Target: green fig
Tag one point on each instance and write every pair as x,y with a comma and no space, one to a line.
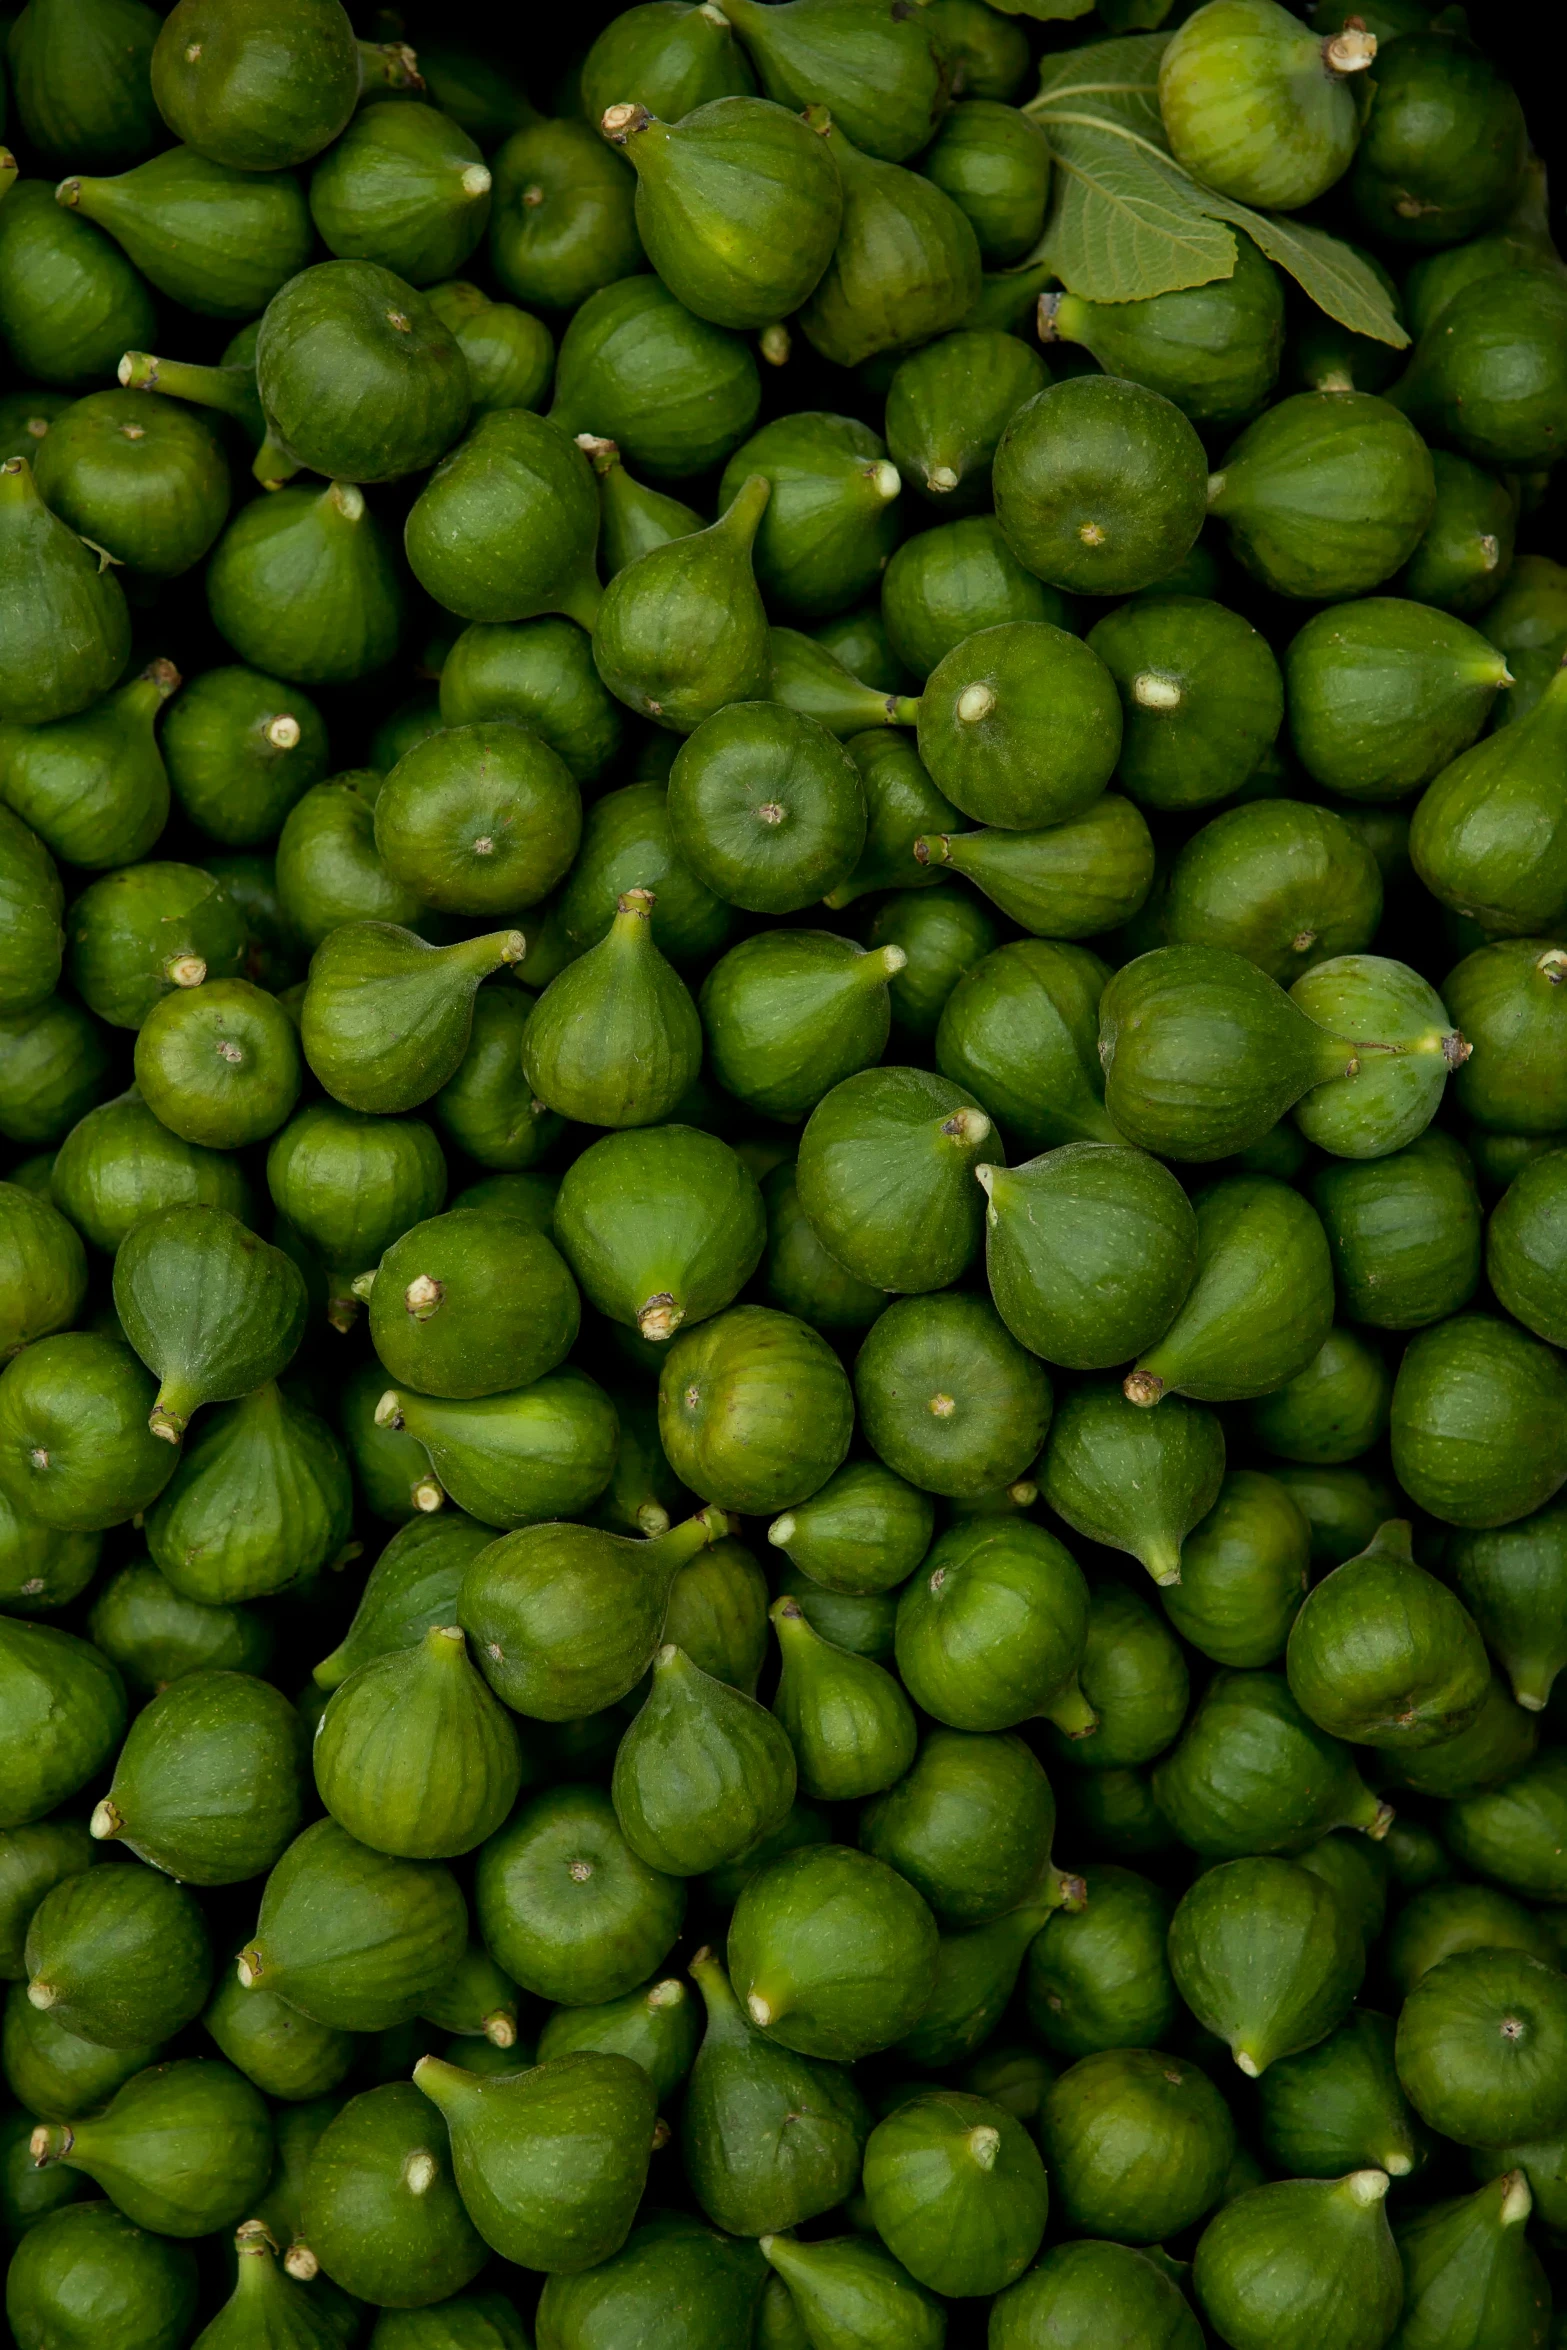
219,1065
77,1450
75,96
844,2291
506,525
88,2279
1138,2144
142,932
738,204
412,1590
808,677
976,1973
851,1728
1486,374
663,1227
1088,1250
884,1169
1404,1232
799,1276
1383,1654
405,187
673,2275
183,2148
414,1756
881,77
33,1860
1101,485
754,1410
1212,349
119,1956
673,393
1504,1453
328,870
1071,880
1512,1832
1509,1580
550,2162
1469,2262
487,1107
353,1184
265,2296
55,1068
1134,1680
1443,1918
1134,1483
212,1310
380,2211
1384,694
565,1619
540,674
1468,833
969,1826
240,753
865,1530
481,820
789,1013
347,339
1265,1956
1201,696
43,1270
957,2192
260,1500
1467,551
513,1459
567,1907
1019,1029
702,1773
303,585
352,1937
769,2138
681,631
832,1954
615,1040
218,241
991,1631
71,303
766,808
952,582
656,2026
141,478
1252,1773
562,224
1497,1745
508,352
1333,1410
42,1568
980,733
906,266
273,2045
1081,2286
1326,495
1243,1573
387,1018
994,162
155,1635
65,1716
32,900
665,55
1203,1053
94,787
831,522
632,518
1339,2106
901,806
1303,2262
627,844
55,2071
1284,883
1478,2047
1505,1001
1096,1976
210,1784
947,1398
471,1304
1259,1306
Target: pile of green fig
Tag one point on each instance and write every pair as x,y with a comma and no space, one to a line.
783,1178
